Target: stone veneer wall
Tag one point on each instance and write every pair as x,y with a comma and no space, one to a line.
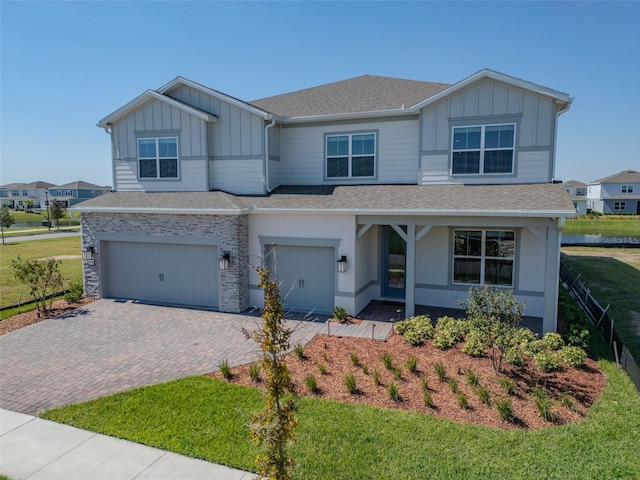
230,233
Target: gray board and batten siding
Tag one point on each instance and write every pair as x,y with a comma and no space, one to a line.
489,102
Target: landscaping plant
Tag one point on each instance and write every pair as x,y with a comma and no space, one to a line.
42,278
340,314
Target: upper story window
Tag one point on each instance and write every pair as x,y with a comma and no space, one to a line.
68,193
483,257
627,188
158,157
351,155
15,193
25,193
483,149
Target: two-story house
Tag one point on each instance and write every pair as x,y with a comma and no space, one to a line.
75,192
616,194
17,194
578,192
371,188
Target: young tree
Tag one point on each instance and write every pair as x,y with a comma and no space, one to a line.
28,205
273,428
56,212
497,315
6,220
42,277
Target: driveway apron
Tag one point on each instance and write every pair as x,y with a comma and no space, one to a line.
110,346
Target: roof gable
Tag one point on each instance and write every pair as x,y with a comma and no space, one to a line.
626,176
148,96
80,185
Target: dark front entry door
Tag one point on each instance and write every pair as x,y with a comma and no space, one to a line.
393,263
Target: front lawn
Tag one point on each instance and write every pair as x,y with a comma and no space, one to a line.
608,225
68,248
208,419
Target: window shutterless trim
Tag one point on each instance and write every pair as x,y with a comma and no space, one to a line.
350,156
483,149
483,257
158,158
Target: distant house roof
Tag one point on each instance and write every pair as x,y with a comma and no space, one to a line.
366,93
575,183
626,176
36,184
535,200
80,185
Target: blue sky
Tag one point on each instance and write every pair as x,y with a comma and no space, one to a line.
66,65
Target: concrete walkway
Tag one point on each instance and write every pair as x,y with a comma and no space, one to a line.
33,448
43,236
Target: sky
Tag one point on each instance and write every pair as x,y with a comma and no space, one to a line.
66,65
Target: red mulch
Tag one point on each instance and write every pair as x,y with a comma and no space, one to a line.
584,385
34,316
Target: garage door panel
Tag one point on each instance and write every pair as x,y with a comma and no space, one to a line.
165,273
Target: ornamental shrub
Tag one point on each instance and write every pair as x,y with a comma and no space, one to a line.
340,314
546,361
533,348
505,410
553,341
415,329
514,357
475,344
74,293
572,356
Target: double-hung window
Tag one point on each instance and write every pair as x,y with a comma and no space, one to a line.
627,188
158,157
351,155
483,149
483,257
619,205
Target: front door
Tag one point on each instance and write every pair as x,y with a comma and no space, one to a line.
393,263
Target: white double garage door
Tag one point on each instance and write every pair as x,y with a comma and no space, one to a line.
178,274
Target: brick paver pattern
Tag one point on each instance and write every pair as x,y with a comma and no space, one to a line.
110,346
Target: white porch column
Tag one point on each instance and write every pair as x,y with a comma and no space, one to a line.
410,272
552,277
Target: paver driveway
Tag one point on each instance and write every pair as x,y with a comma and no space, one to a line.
109,346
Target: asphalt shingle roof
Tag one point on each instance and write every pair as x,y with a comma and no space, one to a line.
431,199
360,94
626,176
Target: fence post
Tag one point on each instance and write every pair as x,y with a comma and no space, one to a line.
611,334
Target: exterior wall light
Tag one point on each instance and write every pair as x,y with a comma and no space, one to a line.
224,261
342,264
87,255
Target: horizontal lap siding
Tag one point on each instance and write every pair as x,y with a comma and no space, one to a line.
243,177
193,178
302,151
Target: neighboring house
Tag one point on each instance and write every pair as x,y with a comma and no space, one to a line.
75,192
578,192
18,193
371,188
615,194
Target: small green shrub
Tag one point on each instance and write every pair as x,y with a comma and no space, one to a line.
568,402
74,293
514,357
523,336
543,404
553,341
484,395
376,377
546,361
441,371
322,368
533,348
311,383
355,361
453,385
578,336
350,383
387,360
573,356
463,401
504,408
340,314
325,356
448,332
424,384
365,369
397,373
473,380
412,364
254,372
507,385
427,399
415,329
299,351
475,344
225,370
394,392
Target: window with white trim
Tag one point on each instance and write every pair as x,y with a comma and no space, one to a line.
483,149
351,155
68,193
619,205
483,257
627,188
158,157
25,193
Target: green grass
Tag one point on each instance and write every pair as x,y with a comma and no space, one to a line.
71,269
20,216
608,225
208,419
616,283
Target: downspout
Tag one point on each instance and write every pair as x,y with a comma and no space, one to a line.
555,135
266,155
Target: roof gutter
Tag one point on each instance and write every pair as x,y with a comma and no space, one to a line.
349,116
160,211
413,212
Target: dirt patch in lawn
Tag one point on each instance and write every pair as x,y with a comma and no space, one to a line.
59,307
582,385
61,257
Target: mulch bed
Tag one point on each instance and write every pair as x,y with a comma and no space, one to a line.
583,385
58,307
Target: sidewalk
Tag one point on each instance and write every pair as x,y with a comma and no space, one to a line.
33,448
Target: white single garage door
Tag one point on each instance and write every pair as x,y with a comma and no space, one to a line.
307,275
163,273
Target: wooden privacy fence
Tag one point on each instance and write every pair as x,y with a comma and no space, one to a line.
600,319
